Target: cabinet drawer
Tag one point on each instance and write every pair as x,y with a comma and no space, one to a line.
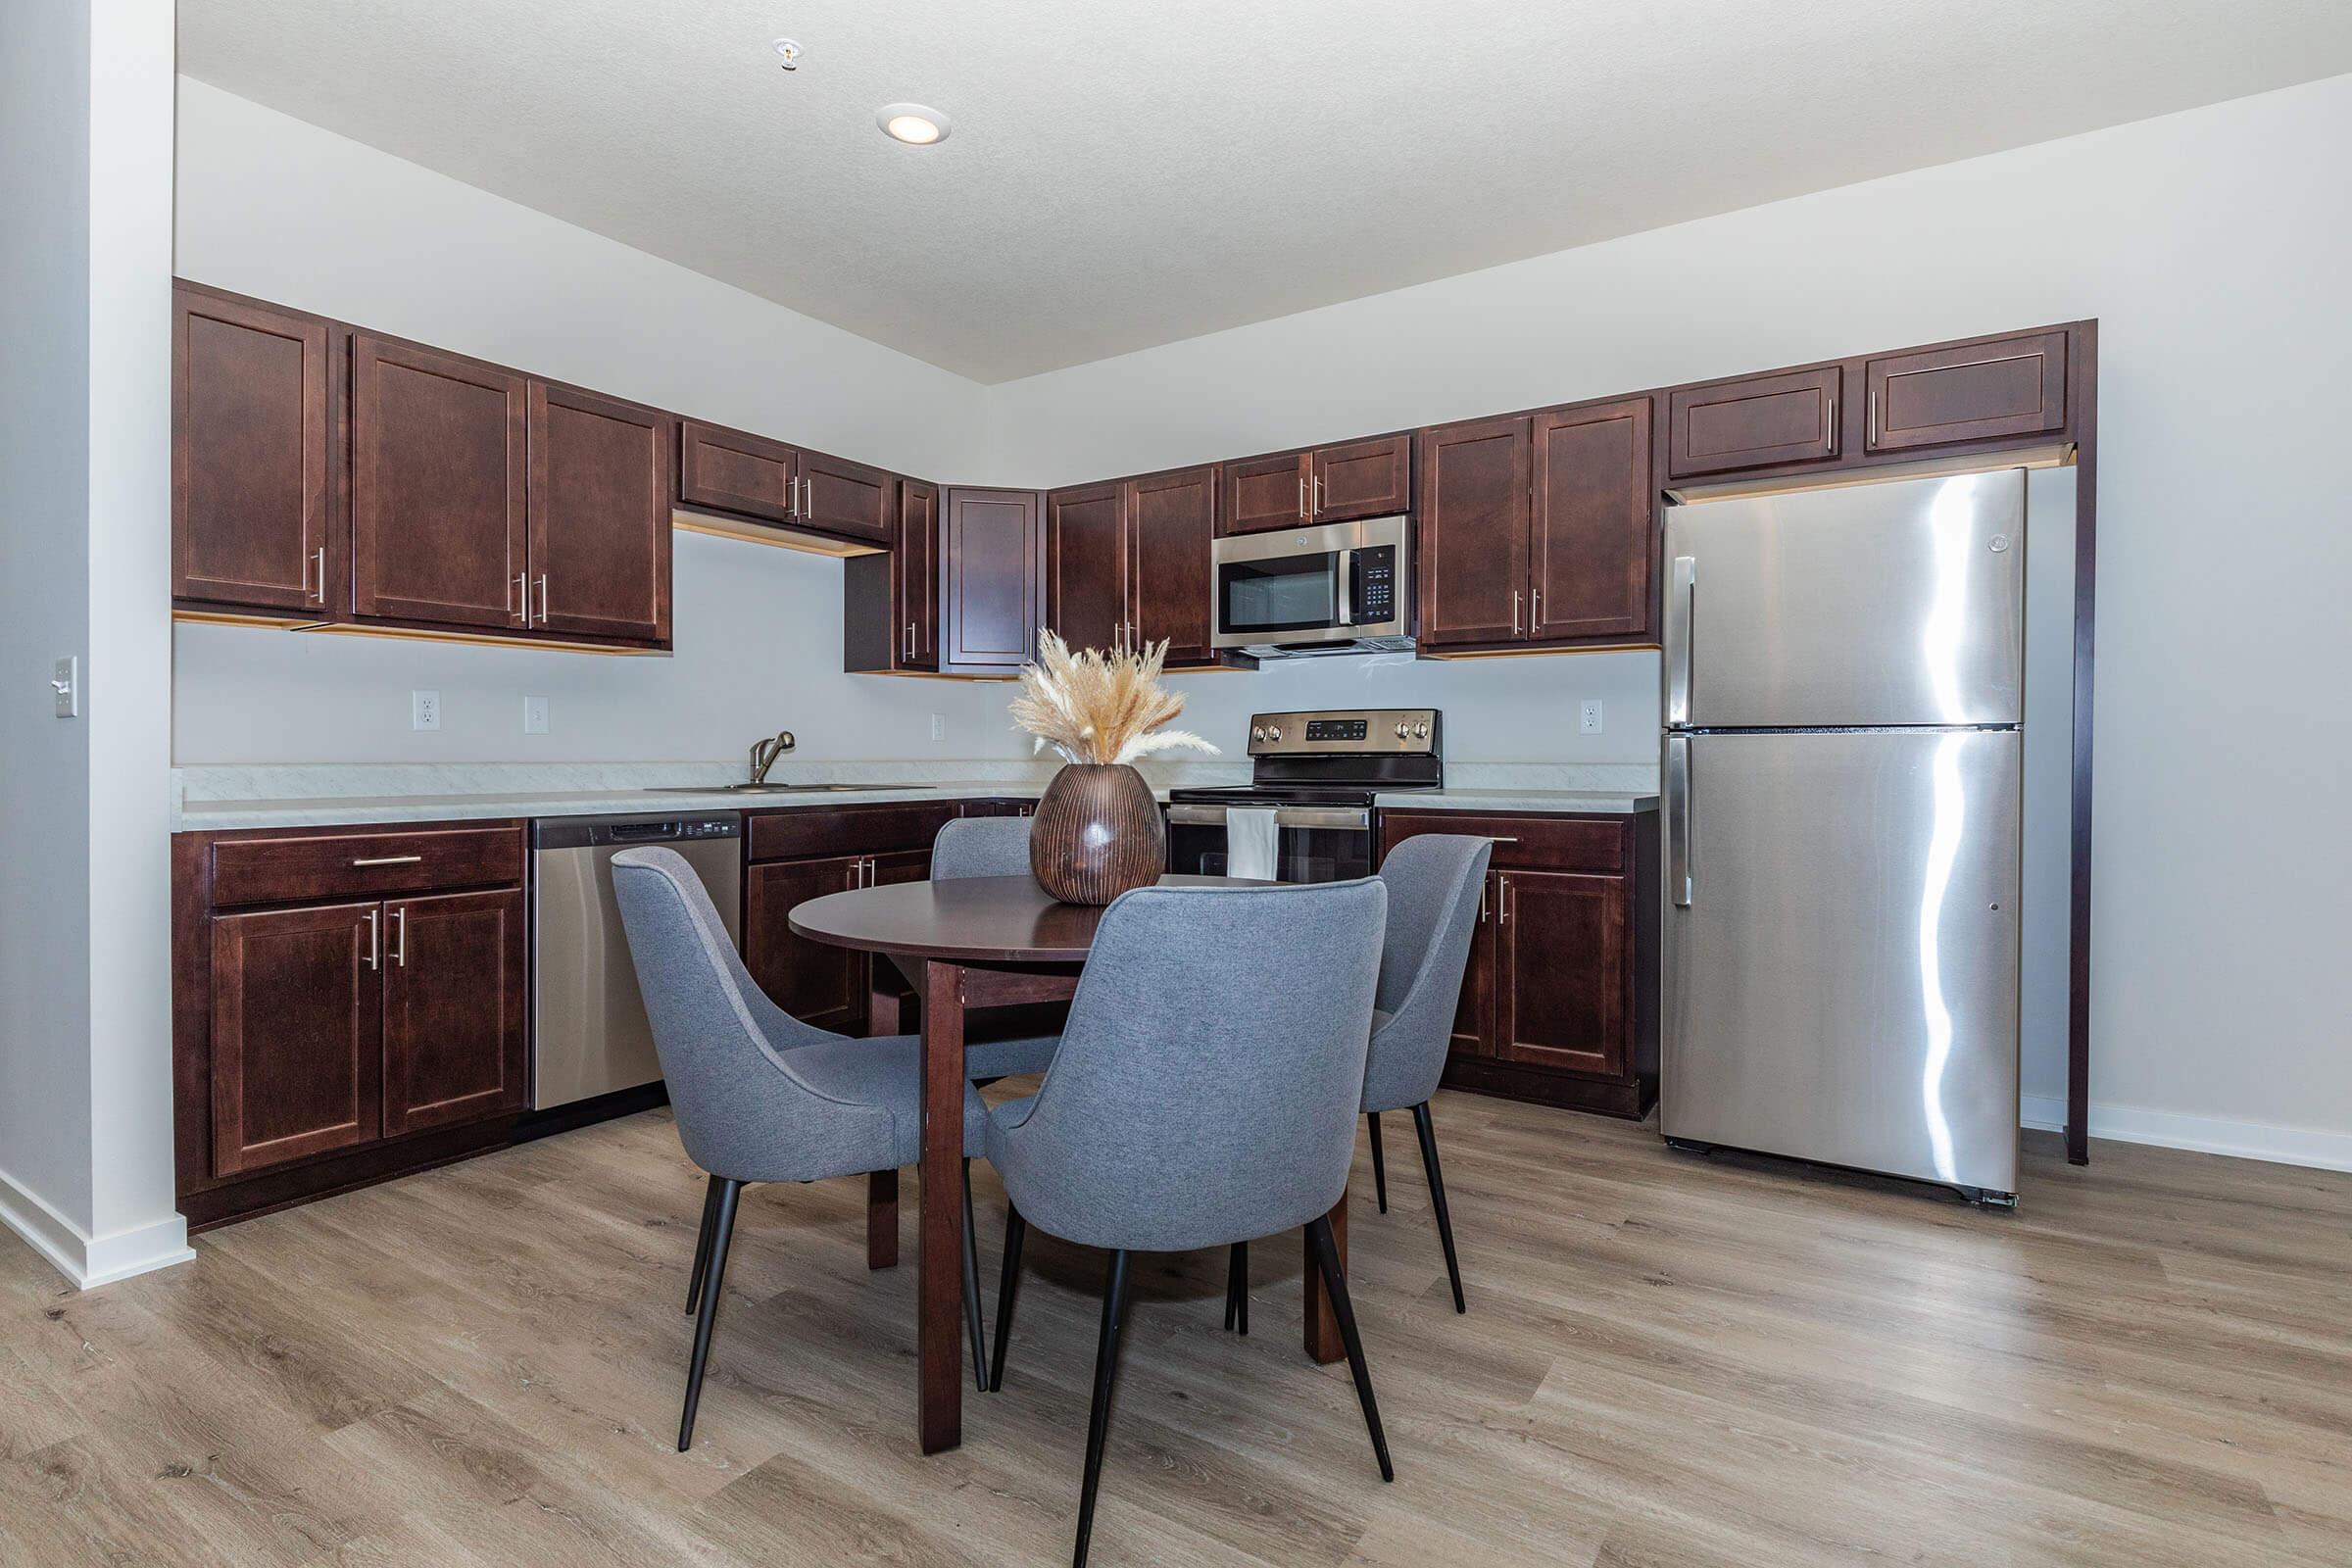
1753,423
2016,386
283,869
847,830
1542,843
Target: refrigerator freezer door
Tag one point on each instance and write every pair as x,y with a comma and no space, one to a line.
1841,984
1877,604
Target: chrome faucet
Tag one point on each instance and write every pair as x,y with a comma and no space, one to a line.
766,753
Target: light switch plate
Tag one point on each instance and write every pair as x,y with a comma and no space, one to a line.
424,709
534,715
1587,718
67,684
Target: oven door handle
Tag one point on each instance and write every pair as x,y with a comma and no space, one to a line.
1184,814
1181,814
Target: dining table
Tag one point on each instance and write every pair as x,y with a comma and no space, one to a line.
977,943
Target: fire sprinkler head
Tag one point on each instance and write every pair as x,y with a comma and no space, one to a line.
790,49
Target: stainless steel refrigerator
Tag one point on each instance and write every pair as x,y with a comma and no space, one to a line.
1844,679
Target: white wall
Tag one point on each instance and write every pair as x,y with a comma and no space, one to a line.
85,1045
2211,245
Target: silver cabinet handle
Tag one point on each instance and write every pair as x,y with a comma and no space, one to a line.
1318,495
1514,612
1830,435
389,859
1303,514
400,935
374,959
911,639
543,599
808,503
1681,620
1678,820
1481,898
1535,610
320,554
1502,901
522,586
1490,839
792,496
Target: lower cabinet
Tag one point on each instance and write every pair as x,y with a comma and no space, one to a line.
339,993
1558,998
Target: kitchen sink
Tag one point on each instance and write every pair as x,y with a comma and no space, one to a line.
778,789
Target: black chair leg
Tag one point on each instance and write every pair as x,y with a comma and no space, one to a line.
1236,1288
701,1246
1106,1367
1380,1164
1016,1230
1437,1199
971,1287
1335,1283
722,1231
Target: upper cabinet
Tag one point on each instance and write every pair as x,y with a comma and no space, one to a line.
914,577
1977,391
599,506
1370,478
1761,421
1127,563
249,454
1540,529
992,580
849,499
751,476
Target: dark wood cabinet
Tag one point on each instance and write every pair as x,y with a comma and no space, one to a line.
454,1041
993,586
915,576
849,499
1756,422
817,984
438,512
1474,533
735,471
2005,387
1558,996
1087,601
1171,522
598,490
1361,479
1269,492
1593,539
249,454
296,1020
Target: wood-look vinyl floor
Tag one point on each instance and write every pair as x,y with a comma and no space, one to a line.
1667,1361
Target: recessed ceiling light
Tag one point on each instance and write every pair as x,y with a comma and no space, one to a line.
913,124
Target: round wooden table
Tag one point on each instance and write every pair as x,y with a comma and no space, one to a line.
976,941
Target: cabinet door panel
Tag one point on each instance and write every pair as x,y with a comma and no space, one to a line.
1562,997
599,516
849,499
1171,523
296,1028
1363,479
815,983
437,500
1474,533
1753,423
1592,538
454,1043
2016,386
993,590
249,454
1086,565
733,472
1474,1016
915,581
1266,493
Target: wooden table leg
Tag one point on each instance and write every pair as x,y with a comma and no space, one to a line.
1323,1342
882,1219
882,999
939,1256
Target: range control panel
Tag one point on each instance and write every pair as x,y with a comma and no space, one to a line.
1387,731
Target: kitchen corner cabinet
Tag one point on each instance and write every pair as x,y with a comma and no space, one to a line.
992,581
1559,997
347,1003
890,599
1539,530
1128,563
1368,478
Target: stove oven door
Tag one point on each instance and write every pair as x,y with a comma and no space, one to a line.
1311,843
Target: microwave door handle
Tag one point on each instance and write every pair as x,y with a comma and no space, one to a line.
1682,610
1344,573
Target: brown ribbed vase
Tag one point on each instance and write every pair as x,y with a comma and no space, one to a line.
1096,833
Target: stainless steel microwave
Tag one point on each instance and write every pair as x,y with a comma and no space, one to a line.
1341,588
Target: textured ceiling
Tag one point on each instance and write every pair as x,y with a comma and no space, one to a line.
1124,173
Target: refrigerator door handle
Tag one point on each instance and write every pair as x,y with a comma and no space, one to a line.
1678,820
1682,608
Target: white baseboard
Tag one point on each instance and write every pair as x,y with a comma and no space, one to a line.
2044,1113
2315,1146
84,1260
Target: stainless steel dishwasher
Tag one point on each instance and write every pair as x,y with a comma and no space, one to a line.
589,1034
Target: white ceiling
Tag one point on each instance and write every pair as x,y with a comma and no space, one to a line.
1123,173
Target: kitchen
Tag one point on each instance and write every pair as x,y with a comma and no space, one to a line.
864,561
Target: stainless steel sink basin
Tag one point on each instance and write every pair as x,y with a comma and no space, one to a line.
780,788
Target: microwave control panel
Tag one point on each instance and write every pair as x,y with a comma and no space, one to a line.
1375,585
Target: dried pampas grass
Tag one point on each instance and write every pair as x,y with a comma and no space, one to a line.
1093,707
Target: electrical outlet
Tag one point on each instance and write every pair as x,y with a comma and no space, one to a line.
534,715
1588,718
424,709
939,726
66,687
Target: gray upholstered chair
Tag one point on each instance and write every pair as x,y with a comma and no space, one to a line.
1204,1094
758,1095
1003,1041
1435,883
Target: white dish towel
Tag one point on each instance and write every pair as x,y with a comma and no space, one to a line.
1251,837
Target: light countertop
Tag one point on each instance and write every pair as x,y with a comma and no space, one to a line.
326,811
1599,803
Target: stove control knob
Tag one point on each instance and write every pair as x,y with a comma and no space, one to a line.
1420,732
1257,732
1403,731
1273,732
